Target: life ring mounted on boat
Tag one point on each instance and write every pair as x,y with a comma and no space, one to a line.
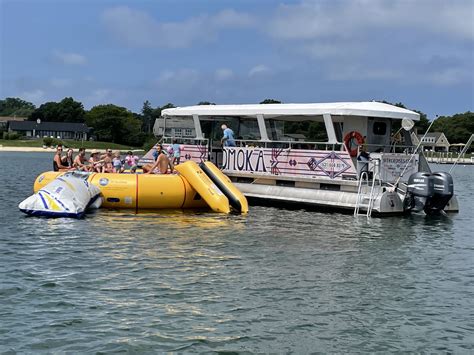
352,141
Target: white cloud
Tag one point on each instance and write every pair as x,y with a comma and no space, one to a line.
35,96
60,83
312,20
232,19
69,58
138,28
223,74
179,78
100,94
358,72
450,76
258,70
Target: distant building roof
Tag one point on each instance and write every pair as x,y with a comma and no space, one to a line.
48,126
432,134
11,118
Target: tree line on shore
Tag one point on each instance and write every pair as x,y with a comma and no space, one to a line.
116,124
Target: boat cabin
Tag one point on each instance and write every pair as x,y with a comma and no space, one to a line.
337,135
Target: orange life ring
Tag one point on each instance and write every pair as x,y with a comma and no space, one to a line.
352,141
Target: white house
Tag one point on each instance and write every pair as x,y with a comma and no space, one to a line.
435,141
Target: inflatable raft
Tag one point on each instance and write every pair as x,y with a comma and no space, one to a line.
191,188
68,195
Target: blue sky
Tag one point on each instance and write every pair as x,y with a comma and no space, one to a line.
419,52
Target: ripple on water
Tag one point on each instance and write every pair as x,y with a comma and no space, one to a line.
271,281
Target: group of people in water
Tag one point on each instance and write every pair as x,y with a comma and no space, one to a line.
112,162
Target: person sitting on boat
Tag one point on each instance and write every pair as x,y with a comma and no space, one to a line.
107,154
363,160
228,138
95,164
68,160
161,164
58,164
117,163
80,160
108,166
132,161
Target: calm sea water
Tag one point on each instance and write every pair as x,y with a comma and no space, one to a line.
272,281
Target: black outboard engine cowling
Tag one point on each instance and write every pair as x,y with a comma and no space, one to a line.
443,191
420,188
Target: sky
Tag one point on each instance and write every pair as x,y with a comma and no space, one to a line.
418,52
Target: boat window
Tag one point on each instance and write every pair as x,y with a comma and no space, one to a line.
211,128
275,129
248,129
379,128
338,129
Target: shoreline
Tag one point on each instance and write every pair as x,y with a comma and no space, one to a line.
53,150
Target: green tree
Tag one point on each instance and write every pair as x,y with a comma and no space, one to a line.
457,128
270,101
157,111
205,103
13,106
115,124
423,124
71,111
67,110
147,117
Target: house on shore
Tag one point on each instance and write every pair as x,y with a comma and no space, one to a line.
61,130
435,141
5,119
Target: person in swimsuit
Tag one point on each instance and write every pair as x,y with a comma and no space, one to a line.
68,160
161,164
80,160
117,163
95,164
57,160
132,161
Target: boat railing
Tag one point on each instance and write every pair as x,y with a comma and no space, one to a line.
304,145
185,140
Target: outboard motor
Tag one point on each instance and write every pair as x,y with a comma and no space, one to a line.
443,191
420,188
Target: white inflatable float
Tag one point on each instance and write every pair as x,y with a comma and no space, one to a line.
67,196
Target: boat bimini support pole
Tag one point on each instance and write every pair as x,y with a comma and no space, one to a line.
411,157
197,127
262,128
466,147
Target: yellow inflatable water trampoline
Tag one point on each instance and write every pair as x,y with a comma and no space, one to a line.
193,187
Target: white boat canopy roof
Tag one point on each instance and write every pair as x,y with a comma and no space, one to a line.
364,109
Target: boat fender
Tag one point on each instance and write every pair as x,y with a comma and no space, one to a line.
349,142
